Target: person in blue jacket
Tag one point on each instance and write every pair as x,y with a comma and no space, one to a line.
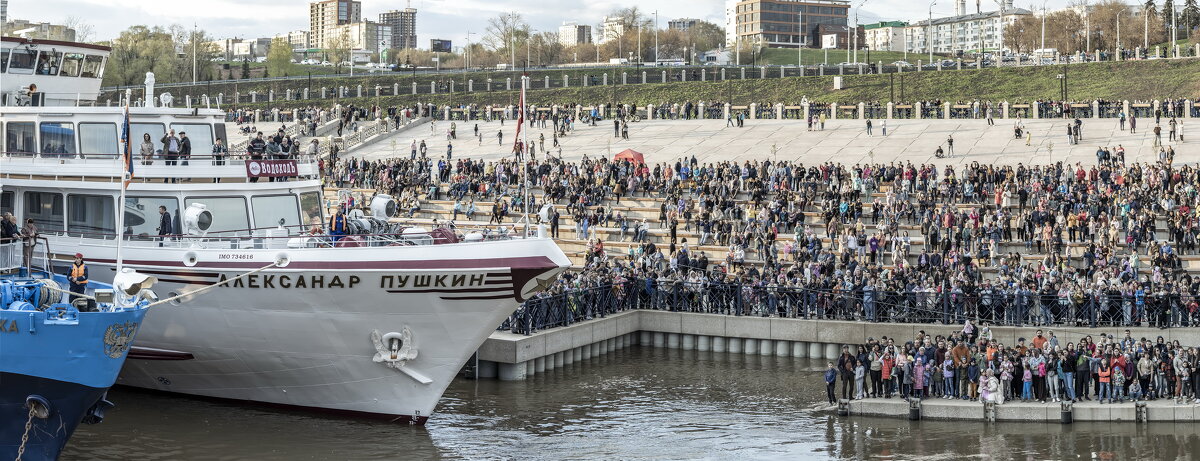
830,383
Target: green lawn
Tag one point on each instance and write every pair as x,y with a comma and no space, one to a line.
1133,80
786,56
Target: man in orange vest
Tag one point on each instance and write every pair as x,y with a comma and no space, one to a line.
78,277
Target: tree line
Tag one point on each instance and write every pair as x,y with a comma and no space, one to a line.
1074,29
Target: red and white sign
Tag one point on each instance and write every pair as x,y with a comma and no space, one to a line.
270,168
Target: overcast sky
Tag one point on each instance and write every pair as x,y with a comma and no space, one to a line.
444,19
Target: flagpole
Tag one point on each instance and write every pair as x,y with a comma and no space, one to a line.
124,166
525,159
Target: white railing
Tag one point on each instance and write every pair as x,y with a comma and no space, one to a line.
10,256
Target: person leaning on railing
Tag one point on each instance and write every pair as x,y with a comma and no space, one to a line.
29,235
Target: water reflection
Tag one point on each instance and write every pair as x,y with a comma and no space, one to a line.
631,404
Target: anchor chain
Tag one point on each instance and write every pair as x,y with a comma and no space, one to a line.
25,436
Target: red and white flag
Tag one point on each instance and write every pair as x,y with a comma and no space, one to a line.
518,148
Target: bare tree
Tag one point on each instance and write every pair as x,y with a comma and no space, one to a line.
505,30
83,29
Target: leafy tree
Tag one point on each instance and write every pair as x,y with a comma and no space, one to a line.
140,49
1191,15
1168,12
338,49
279,57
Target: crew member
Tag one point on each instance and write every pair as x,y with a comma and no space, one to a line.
78,277
166,226
337,225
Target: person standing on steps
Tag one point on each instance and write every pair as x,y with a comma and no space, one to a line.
868,127
950,145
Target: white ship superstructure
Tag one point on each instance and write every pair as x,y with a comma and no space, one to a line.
373,324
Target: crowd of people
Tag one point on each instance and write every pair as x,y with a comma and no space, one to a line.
1047,244
971,364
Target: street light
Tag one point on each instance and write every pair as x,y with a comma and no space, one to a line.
855,30
929,36
1043,47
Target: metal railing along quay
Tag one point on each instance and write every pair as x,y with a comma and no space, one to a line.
946,306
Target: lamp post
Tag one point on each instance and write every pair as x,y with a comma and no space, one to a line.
1043,46
656,58
1118,47
800,37
854,31
929,35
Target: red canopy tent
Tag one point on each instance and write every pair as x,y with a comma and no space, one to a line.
631,155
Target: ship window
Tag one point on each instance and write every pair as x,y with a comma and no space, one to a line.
91,216
6,202
45,209
230,217
142,219
219,130
100,138
72,64
19,137
199,133
4,60
310,207
49,63
268,210
93,66
58,138
23,60
155,130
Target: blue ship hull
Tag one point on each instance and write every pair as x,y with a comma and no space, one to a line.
59,357
47,437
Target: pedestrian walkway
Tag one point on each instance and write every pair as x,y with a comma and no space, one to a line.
842,141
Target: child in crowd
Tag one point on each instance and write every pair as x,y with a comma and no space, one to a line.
860,374
1026,382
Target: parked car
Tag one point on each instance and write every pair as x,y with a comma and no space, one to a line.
902,64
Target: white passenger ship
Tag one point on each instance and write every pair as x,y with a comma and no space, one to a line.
374,324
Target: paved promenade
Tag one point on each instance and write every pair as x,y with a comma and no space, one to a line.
844,141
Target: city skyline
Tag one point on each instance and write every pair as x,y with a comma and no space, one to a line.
268,18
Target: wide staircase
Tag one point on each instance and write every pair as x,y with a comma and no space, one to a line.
640,208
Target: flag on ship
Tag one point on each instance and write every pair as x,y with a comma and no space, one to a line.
127,150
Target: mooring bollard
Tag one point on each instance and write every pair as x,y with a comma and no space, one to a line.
843,408
1066,412
1141,412
914,409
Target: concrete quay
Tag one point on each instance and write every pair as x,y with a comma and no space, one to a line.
1016,411
509,356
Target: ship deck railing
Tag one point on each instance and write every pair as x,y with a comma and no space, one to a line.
197,167
284,237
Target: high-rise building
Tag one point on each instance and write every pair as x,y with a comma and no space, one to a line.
326,15
571,34
731,18
3,11
611,28
786,23
404,27
682,23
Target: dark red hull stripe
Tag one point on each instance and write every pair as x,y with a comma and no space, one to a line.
460,298
522,262
454,290
188,282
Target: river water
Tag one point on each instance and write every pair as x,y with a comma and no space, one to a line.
638,403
